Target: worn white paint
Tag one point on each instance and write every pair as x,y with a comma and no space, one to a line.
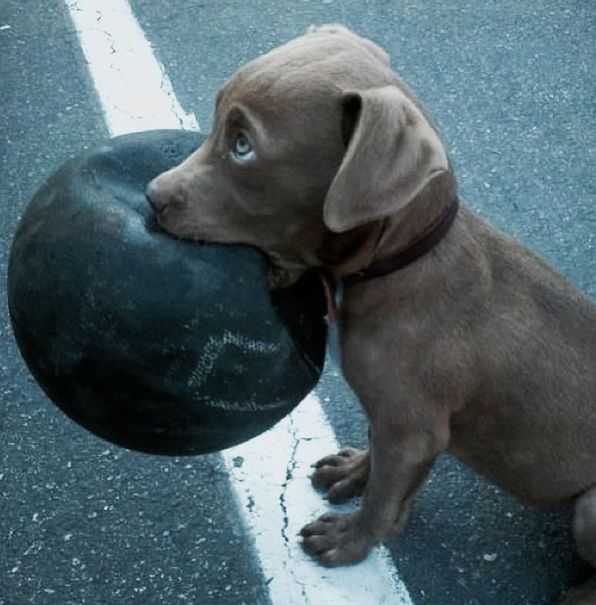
132,85
271,478
269,473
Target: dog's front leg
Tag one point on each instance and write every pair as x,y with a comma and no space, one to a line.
402,451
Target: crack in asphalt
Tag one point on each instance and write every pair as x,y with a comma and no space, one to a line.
163,85
292,464
290,469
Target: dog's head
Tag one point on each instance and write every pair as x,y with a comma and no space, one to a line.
312,144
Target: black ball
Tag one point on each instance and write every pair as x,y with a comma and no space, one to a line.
156,344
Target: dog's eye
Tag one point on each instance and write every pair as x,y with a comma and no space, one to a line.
242,149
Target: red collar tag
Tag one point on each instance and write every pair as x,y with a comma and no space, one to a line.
330,289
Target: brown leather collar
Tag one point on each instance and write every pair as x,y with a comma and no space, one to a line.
410,253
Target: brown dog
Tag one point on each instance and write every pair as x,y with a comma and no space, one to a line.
322,157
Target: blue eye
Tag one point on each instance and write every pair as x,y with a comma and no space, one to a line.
242,149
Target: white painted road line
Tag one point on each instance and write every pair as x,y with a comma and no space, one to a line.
269,473
134,90
271,478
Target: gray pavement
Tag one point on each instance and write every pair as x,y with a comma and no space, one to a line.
511,86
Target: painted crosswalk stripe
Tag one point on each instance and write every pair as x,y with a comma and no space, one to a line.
269,474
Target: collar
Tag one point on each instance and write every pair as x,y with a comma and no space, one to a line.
413,251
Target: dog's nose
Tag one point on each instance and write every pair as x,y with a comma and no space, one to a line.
155,197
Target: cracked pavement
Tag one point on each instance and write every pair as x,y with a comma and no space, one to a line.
83,522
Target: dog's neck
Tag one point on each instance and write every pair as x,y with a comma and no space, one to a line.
408,253
374,253
390,244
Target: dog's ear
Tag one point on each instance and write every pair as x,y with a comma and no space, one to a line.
393,153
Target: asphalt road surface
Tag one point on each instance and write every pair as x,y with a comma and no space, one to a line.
511,86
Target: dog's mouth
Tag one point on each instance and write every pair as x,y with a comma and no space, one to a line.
282,272
281,275
154,223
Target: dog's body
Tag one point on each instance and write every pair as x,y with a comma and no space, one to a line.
322,157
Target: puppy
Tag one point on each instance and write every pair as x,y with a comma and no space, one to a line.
454,336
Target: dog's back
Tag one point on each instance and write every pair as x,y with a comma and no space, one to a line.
530,425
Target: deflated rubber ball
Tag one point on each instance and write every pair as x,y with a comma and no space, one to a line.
156,344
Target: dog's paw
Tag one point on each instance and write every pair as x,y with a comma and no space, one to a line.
337,539
342,476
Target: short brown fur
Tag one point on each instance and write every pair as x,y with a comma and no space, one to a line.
479,348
